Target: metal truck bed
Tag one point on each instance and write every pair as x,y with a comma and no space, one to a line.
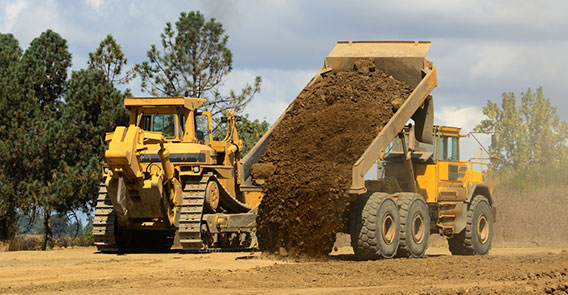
405,61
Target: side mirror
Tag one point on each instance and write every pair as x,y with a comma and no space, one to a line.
223,119
238,118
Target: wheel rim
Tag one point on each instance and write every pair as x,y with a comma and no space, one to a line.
483,229
388,229
418,228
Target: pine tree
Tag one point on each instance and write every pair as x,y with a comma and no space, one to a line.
52,131
10,128
194,62
109,58
44,74
93,107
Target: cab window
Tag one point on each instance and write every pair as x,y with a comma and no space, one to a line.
202,127
165,123
448,149
181,125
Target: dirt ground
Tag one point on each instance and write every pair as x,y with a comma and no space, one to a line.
84,271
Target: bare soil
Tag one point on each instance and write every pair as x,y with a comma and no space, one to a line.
83,271
311,153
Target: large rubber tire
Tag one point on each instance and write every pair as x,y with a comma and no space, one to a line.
374,226
477,236
414,225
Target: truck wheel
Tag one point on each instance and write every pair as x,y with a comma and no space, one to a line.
477,236
212,196
414,225
374,226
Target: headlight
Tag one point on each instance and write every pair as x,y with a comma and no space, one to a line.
196,169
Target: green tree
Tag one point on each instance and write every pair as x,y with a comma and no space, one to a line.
525,135
250,132
193,62
109,58
10,129
93,107
52,131
44,73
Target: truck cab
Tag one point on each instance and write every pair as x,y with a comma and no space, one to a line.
447,183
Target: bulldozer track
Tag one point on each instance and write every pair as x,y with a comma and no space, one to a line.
190,215
190,221
103,225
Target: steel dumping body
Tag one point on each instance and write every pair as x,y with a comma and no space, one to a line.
405,61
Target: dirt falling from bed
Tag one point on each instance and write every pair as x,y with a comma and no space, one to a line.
307,165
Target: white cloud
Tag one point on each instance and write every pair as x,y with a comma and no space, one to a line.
96,5
480,48
133,9
11,12
466,117
278,89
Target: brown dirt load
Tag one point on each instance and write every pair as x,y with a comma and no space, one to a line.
261,171
313,149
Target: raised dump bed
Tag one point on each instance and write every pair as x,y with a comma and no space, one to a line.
315,157
405,61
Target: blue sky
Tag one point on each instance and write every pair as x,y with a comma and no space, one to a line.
480,48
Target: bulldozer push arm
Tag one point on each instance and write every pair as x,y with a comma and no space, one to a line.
136,193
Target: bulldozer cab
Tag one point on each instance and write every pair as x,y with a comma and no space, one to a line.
176,118
169,124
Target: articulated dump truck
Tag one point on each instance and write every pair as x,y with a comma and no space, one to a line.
423,186
165,174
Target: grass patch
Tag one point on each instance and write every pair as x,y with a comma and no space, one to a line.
34,242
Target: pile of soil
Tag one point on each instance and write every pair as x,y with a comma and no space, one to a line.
307,165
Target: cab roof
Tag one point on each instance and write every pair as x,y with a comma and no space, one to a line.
447,130
190,103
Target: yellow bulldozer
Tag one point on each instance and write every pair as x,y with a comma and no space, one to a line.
165,174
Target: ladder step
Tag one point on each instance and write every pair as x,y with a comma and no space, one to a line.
447,216
191,211
190,241
447,203
193,188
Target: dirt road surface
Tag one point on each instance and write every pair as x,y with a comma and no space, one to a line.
84,271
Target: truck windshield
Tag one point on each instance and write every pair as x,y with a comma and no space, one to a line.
448,149
165,123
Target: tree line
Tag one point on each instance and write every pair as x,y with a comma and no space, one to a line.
53,121
526,133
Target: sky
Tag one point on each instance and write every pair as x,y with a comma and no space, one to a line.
480,48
